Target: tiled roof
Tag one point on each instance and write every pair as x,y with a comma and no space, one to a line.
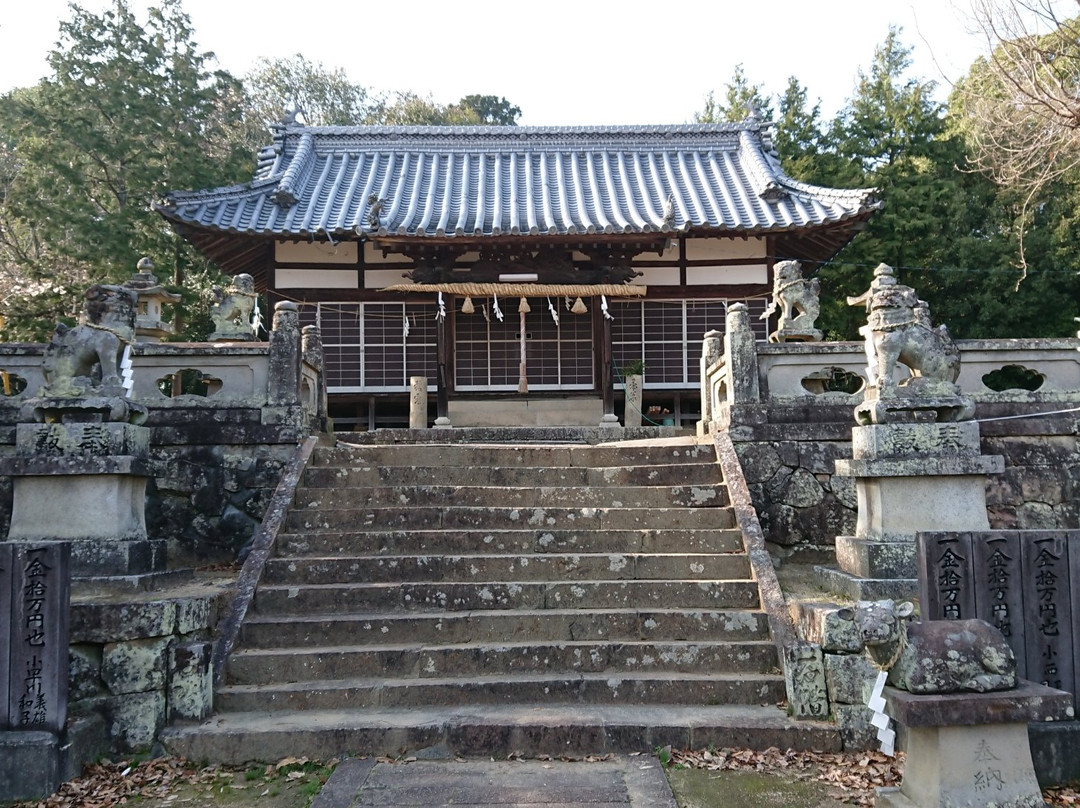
499,181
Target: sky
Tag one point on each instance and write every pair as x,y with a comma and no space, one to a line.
563,62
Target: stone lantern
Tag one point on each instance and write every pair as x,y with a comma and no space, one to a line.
150,326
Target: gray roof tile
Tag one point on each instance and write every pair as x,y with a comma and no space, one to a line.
491,181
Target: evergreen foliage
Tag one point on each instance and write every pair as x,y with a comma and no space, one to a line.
947,228
130,111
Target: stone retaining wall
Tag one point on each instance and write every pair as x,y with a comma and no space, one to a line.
137,665
789,467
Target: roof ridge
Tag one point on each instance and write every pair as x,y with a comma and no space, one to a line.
750,125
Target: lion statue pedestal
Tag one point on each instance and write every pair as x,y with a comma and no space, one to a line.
916,455
81,453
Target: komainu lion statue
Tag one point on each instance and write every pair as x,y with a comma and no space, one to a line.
232,309
898,329
85,359
797,299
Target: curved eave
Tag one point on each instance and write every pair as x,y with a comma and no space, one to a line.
233,253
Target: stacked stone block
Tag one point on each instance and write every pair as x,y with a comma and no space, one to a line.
136,666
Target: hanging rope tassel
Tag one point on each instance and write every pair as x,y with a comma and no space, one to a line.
579,307
603,308
127,372
523,307
495,308
440,315
256,319
554,312
467,306
405,327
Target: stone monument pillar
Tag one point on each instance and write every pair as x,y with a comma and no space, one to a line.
915,454
418,402
35,589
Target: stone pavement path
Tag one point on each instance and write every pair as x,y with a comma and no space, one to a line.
627,782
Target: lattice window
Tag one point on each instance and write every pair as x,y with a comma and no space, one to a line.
366,348
667,334
488,354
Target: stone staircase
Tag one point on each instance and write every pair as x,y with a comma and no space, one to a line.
489,599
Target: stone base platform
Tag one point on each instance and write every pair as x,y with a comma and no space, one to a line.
970,750
30,765
852,586
568,411
112,557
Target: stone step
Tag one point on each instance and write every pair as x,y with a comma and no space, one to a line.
367,474
265,666
505,688
450,596
397,496
519,435
492,518
529,729
432,542
502,455
548,625
479,568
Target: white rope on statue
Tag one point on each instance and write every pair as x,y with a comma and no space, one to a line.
880,719
256,319
127,372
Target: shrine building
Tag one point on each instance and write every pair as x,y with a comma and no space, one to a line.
517,268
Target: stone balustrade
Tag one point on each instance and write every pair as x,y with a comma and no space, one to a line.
210,375
835,372
224,419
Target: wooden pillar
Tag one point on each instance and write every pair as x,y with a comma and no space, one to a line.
443,339
607,365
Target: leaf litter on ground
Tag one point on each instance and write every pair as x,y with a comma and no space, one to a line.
155,782
852,777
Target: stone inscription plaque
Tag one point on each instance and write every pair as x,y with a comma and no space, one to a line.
947,589
5,632
999,599
986,766
38,666
1074,579
1027,583
1048,616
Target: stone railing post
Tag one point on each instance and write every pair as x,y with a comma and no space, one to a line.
740,348
283,385
743,403
712,348
312,349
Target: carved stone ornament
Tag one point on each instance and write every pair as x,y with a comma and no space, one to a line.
899,331
232,310
939,656
797,300
85,360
